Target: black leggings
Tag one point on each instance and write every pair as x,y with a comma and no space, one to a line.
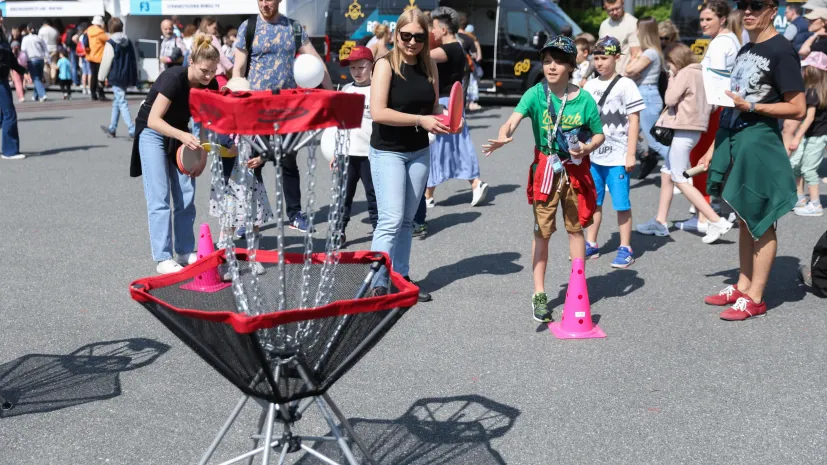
359,168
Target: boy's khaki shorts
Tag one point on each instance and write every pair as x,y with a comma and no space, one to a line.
545,213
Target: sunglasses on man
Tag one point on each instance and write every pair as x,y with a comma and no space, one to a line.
419,38
754,5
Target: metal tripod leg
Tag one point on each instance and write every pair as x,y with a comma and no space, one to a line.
268,438
259,428
224,429
349,428
340,439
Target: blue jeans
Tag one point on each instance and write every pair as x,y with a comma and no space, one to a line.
649,116
8,119
36,73
73,73
120,108
399,180
161,176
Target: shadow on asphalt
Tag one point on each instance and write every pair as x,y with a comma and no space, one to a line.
41,118
38,383
464,196
783,285
441,223
617,283
641,244
499,264
77,148
434,431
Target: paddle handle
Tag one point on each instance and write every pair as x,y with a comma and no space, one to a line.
694,171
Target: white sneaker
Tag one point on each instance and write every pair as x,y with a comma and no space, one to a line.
168,266
692,209
430,203
17,156
810,209
187,259
716,230
653,228
802,202
257,268
703,227
676,191
479,194
43,99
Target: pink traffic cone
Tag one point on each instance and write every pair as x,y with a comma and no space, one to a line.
208,281
576,322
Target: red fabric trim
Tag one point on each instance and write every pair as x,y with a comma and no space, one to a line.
406,297
294,110
580,177
707,139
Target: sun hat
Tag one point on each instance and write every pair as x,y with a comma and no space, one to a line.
816,60
98,20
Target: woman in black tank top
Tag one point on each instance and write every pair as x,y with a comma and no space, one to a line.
403,100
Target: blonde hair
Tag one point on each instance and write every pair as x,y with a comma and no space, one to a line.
203,50
647,33
205,23
379,31
735,23
667,28
412,16
816,79
680,55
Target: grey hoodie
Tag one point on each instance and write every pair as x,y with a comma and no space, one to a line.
109,54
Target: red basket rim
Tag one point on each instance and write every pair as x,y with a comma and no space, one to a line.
293,110
406,297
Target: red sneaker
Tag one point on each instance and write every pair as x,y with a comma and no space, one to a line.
728,295
744,308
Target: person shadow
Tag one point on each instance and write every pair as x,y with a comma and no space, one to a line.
38,383
782,286
641,244
433,431
499,264
463,196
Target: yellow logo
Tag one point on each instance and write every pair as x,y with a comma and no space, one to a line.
344,52
354,11
567,122
522,67
411,6
699,47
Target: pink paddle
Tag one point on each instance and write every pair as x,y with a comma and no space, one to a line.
456,103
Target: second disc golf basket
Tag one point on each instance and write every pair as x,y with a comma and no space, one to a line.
282,327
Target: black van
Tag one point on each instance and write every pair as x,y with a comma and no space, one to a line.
510,32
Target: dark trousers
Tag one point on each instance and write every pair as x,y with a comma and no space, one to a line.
359,168
292,185
8,119
66,86
95,87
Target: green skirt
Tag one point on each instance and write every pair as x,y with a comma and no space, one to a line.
751,171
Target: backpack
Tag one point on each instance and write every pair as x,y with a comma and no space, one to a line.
818,267
249,36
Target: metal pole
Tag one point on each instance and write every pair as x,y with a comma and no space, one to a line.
268,438
224,429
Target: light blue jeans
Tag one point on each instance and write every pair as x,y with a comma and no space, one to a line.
649,116
161,176
120,108
399,180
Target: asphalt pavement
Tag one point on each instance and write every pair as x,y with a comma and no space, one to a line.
469,378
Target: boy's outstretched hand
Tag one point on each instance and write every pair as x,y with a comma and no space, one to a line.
494,144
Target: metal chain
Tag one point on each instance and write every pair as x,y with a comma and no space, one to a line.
247,188
308,235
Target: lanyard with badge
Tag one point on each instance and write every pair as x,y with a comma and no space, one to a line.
554,159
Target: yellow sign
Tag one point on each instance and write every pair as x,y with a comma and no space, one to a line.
522,67
411,6
354,11
344,52
699,47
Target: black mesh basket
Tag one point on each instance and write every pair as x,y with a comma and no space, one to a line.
248,350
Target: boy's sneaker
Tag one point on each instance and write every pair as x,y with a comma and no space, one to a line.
802,201
539,303
420,230
653,228
16,156
716,230
727,295
299,223
744,308
187,259
430,203
592,251
809,210
422,296
479,194
168,266
624,258
106,131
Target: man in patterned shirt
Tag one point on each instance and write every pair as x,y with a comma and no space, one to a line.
271,54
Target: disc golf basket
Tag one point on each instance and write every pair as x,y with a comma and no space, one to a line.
285,326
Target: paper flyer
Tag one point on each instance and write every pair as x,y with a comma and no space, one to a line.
716,81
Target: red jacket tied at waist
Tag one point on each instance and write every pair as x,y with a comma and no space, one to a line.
580,178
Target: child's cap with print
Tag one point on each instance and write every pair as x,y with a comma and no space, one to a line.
357,53
816,60
607,46
561,43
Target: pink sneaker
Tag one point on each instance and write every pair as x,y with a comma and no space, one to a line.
744,308
728,295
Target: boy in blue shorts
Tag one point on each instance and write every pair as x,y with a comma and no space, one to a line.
566,126
620,105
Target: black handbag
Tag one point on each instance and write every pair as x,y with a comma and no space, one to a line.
661,134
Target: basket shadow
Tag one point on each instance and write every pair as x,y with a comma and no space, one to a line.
783,285
495,264
433,431
463,196
38,383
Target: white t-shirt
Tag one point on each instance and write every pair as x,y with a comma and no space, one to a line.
360,138
625,31
34,47
721,52
49,35
580,72
624,99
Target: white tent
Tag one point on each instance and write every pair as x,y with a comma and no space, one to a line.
51,9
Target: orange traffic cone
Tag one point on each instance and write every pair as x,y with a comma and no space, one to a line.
576,322
208,281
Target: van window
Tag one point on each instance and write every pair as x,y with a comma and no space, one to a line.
535,25
517,28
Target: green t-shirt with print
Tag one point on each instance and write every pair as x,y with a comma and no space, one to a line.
580,117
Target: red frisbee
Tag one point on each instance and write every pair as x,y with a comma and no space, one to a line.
456,103
191,162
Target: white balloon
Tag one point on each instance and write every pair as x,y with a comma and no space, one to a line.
328,143
308,71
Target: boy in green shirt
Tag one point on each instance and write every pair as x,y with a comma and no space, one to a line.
567,128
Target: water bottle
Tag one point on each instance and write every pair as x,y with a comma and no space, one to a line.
574,144
556,164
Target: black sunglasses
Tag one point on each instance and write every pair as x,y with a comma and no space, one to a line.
419,38
664,39
752,6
